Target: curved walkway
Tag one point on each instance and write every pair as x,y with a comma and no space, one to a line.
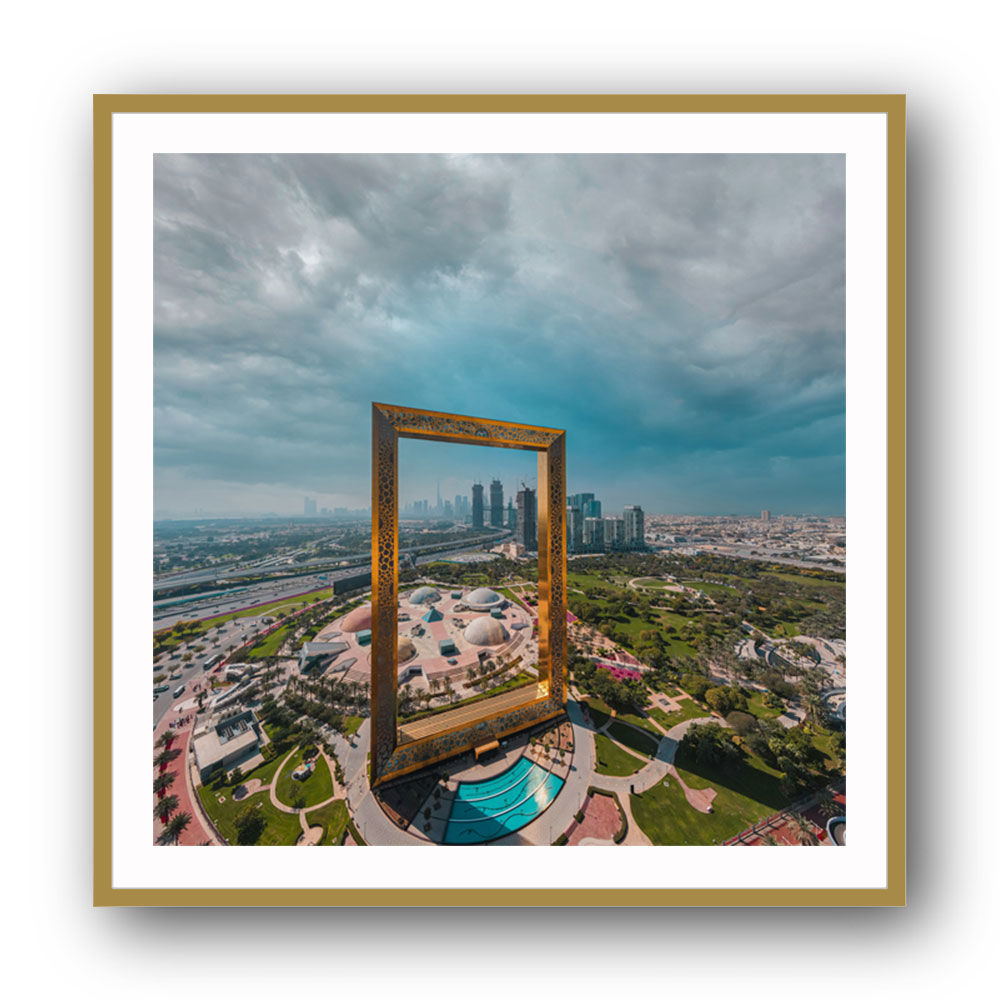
309,836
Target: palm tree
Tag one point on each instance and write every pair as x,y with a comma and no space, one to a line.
162,782
176,827
769,840
165,757
801,830
165,807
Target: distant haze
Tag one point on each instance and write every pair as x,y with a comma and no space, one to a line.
681,317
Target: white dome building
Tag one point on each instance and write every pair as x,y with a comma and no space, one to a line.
483,599
424,595
486,631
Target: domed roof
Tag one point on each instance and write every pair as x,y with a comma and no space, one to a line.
423,595
485,631
483,597
358,620
404,649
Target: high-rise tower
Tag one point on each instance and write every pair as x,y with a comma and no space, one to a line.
635,527
527,518
574,529
496,504
477,505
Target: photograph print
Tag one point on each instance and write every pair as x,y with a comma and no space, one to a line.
499,500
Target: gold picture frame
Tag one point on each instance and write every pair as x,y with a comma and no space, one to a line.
891,108
396,750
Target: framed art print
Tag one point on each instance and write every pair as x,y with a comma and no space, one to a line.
499,472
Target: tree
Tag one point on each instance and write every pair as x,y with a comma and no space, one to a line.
801,830
165,757
165,807
176,827
162,782
741,722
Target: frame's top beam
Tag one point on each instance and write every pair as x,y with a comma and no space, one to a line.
429,425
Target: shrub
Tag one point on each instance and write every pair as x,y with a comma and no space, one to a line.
695,685
741,722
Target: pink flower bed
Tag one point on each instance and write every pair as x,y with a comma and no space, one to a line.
620,673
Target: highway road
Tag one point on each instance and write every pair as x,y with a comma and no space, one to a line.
209,606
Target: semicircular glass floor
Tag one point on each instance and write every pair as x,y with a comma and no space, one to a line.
486,810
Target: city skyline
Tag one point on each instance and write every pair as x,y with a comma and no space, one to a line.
681,317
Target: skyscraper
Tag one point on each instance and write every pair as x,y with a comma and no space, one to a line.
477,505
635,527
593,534
496,504
578,500
614,533
765,515
591,507
574,529
309,507
527,519
511,515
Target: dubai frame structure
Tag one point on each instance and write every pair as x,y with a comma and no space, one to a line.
398,749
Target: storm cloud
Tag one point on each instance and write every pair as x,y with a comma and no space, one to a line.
681,316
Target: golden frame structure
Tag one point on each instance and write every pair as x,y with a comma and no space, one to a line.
394,751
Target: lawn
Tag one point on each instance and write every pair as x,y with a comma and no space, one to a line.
270,644
806,581
511,596
651,581
282,829
634,739
316,788
284,602
333,818
638,720
352,723
690,709
612,760
746,795
757,708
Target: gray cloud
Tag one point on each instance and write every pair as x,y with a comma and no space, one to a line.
688,308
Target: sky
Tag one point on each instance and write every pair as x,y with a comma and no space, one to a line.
680,316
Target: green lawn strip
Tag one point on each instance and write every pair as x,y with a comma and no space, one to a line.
310,598
316,788
746,794
612,760
511,596
352,723
333,818
757,708
282,829
690,709
806,581
634,739
638,720
650,581
270,644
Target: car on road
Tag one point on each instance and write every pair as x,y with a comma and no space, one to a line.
160,688
180,690
175,676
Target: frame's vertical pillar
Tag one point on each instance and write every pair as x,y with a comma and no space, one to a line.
385,540
552,566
